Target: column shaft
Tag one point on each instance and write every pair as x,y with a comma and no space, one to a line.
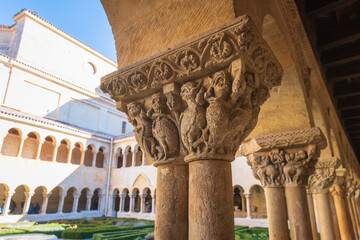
39,150
124,160
45,203
20,147
352,217
122,201
298,212
68,158
356,216
312,215
27,202
75,203
276,212
248,204
334,218
153,204
324,213
132,203
61,204
88,201
82,157
93,163
7,204
344,219
143,197
54,153
171,219
211,213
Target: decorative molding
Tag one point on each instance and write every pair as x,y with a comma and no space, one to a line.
323,177
201,99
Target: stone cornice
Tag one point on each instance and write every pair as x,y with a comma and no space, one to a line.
196,58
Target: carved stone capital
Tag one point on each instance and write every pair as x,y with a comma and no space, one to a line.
285,158
323,177
339,186
200,99
351,186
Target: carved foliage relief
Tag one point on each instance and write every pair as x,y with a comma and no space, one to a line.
199,100
323,177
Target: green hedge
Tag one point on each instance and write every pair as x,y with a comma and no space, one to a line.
125,234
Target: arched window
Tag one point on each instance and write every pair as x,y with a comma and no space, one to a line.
100,158
148,200
31,145
54,199
47,149
83,200
258,202
76,154
11,143
95,200
116,200
119,158
62,152
17,202
37,200
126,201
137,200
69,200
129,156
89,155
138,157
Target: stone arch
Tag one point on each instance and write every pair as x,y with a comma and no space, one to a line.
142,181
100,158
4,189
148,200
37,200
258,202
138,154
54,199
95,200
119,158
89,155
77,153
239,199
137,200
69,200
47,148
125,193
17,202
11,142
129,156
83,199
63,151
31,145
116,200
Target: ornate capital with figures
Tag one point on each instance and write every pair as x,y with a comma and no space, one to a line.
323,177
339,186
200,99
285,158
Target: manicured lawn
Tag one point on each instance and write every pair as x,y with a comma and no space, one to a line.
106,228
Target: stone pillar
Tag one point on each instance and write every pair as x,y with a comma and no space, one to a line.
55,152
133,160
21,146
45,202
338,190
132,202
334,218
352,217
124,159
68,157
276,165
153,204
6,209
144,158
310,200
88,201
75,202
61,203
356,216
122,202
320,181
218,95
143,197
93,163
248,204
28,196
39,149
82,157
101,205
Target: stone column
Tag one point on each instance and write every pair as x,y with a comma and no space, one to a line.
153,204
88,201
320,181
143,197
309,195
197,108
276,164
133,160
93,163
55,152
334,218
6,209
68,157
122,202
45,202
338,190
28,196
132,202
21,146
356,216
75,202
82,157
144,158
61,203
101,205
39,149
248,204
124,159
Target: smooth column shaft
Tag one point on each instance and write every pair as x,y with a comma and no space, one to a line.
325,219
276,212
344,220
211,213
312,216
171,219
298,211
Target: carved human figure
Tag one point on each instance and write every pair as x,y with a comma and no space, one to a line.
163,128
142,128
192,120
295,166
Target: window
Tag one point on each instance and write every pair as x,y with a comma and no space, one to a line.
123,128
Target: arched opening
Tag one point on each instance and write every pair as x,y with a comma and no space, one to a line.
3,190
239,202
258,202
138,157
127,200
83,200
137,200
62,152
100,158
76,154
47,149
129,156
11,143
37,200
17,202
31,145
89,155
54,199
116,200
69,200
119,159
148,200
95,200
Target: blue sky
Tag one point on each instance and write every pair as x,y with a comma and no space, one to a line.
84,19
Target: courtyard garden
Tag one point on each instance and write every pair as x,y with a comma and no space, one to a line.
107,228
